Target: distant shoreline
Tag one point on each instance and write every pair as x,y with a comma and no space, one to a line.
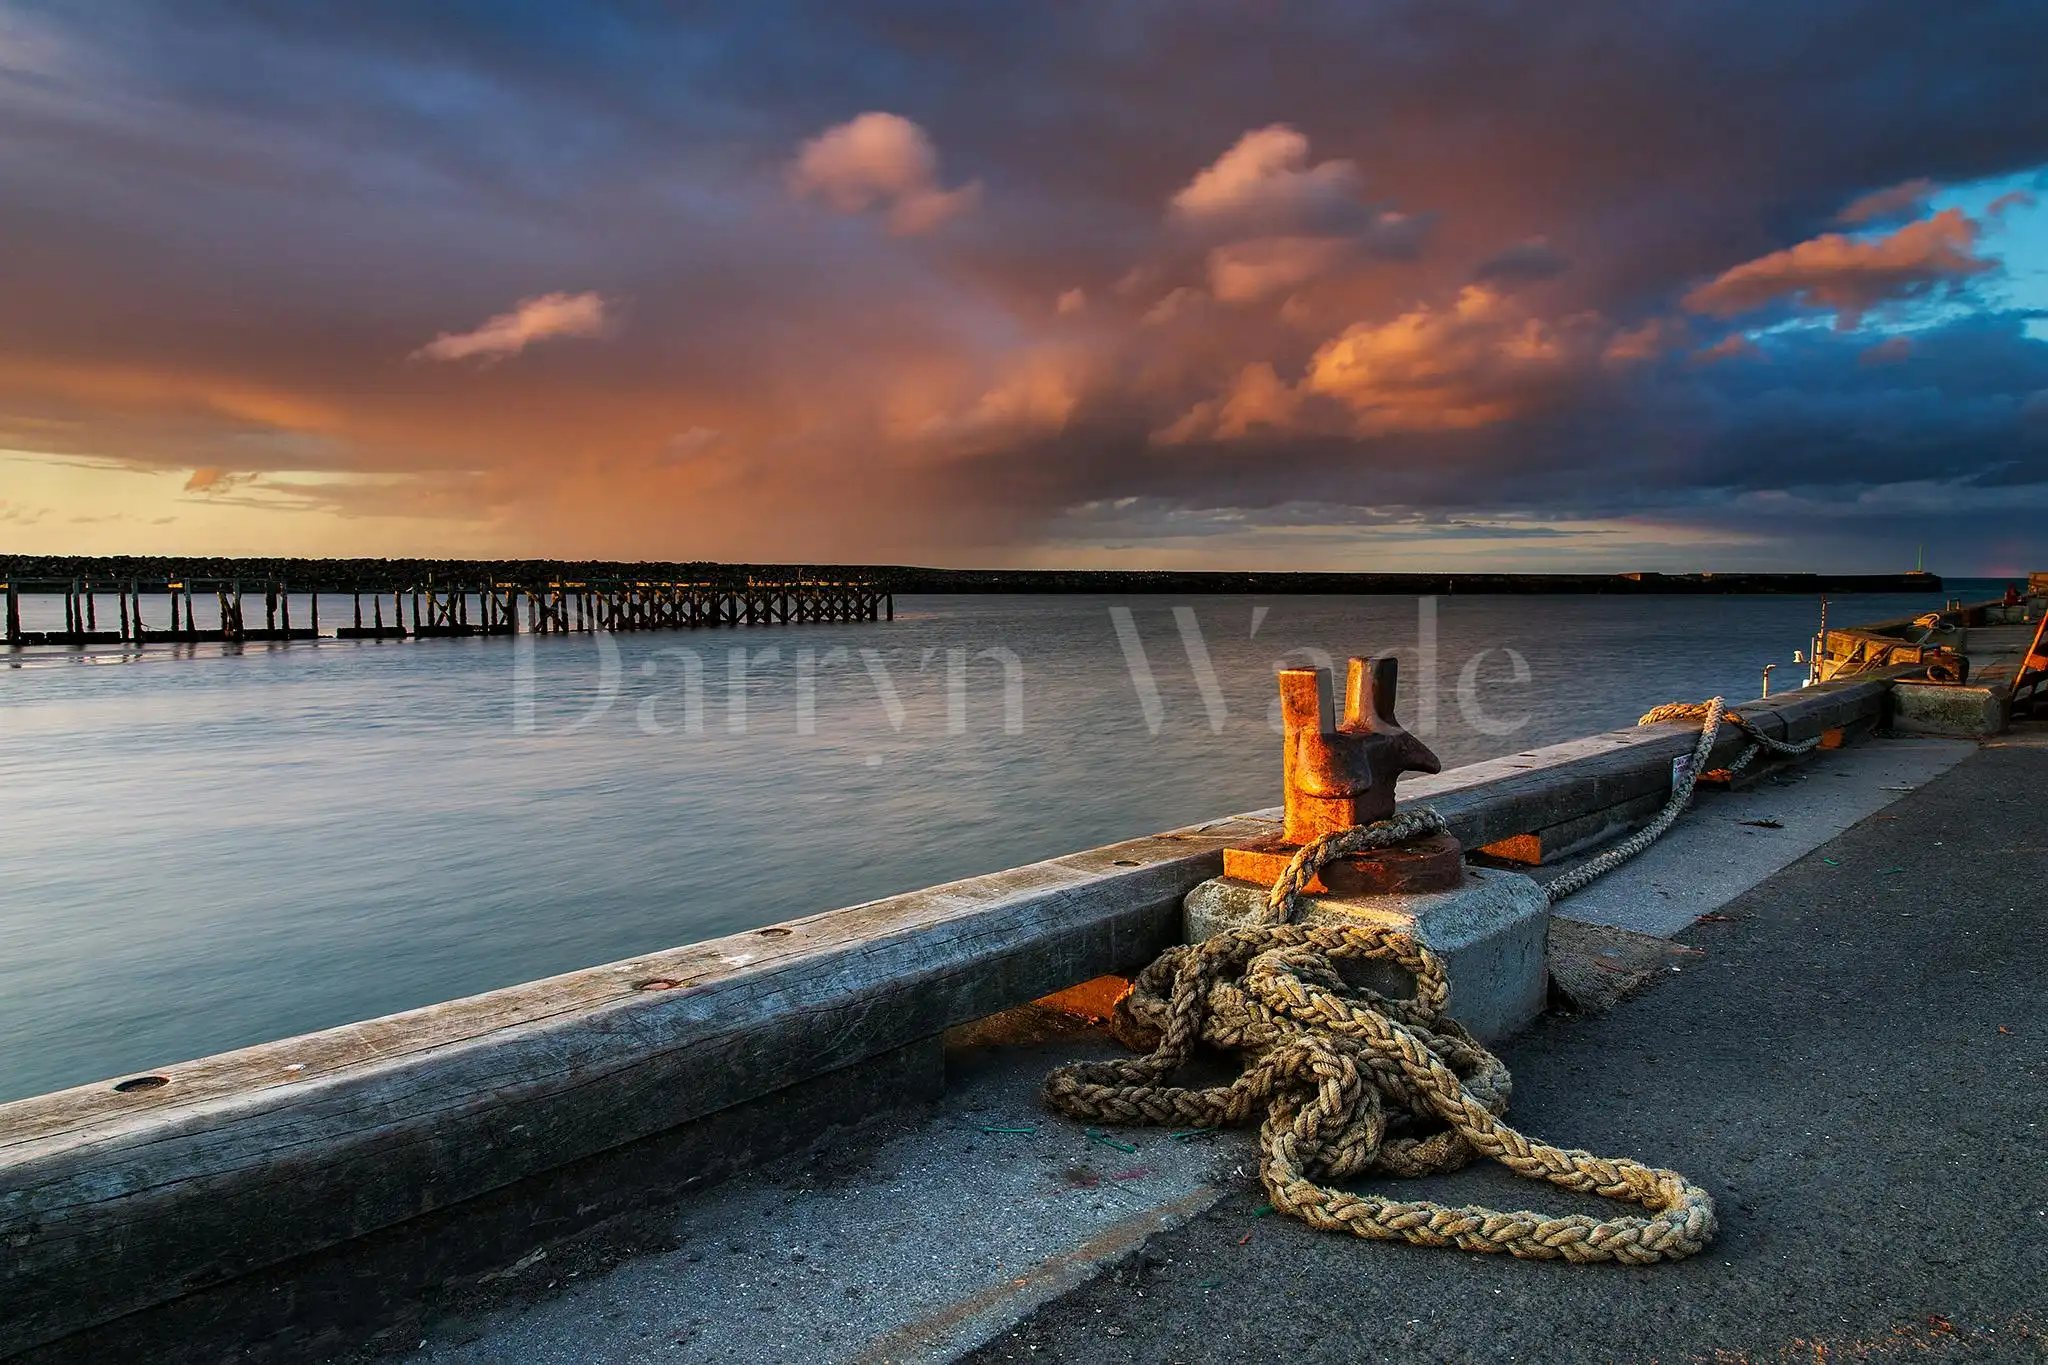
335,575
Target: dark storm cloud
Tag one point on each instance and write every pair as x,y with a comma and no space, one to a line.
1535,259
226,227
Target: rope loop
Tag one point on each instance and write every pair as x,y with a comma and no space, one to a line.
1345,1082
1352,1083
1283,902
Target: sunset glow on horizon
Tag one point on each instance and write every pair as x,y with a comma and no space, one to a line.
1226,285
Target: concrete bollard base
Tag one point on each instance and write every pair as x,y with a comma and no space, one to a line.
1920,708
1490,933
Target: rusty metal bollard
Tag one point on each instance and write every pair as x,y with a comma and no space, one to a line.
1339,771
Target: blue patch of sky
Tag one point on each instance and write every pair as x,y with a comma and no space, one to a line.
2016,234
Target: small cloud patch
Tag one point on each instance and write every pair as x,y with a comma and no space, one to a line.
1265,179
536,319
686,446
1906,200
208,480
880,161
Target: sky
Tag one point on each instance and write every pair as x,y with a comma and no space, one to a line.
1188,284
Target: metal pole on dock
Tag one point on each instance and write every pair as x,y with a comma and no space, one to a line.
1820,642
13,615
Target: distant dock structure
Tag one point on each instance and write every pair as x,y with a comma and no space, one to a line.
96,611
77,600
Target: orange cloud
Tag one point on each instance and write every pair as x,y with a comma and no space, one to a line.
880,160
213,479
1179,304
137,387
535,319
1246,272
1909,197
1265,176
2011,199
1258,399
1850,275
1732,347
1439,369
1479,360
1646,341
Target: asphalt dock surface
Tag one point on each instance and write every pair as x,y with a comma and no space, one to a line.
1852,1064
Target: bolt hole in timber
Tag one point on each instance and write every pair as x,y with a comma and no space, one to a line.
135,1083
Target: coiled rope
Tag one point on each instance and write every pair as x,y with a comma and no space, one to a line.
1351,1082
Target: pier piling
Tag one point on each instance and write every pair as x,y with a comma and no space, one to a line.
438,609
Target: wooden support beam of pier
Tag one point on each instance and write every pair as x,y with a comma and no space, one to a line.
439,611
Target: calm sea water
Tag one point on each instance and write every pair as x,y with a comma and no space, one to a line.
203,848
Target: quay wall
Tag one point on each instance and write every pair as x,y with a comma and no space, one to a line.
151,1193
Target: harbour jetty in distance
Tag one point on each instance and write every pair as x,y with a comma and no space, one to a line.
348,575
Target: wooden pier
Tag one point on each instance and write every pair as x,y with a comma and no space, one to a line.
87,601
98,612
688,606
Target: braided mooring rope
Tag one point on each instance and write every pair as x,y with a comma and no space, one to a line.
1349,1081
1403,826
1710,713
1352,1082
